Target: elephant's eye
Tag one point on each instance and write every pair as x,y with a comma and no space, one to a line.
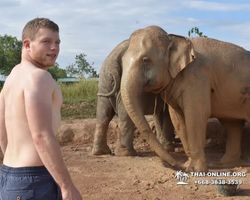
145,60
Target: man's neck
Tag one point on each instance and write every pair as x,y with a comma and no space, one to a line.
28,59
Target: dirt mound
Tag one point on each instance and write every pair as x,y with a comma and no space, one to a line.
82,132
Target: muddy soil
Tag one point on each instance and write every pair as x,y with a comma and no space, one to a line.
143,177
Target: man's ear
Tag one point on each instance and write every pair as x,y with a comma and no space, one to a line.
26,44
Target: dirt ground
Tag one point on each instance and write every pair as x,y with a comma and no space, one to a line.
143,177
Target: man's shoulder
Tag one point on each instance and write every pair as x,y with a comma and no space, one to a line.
40,75
38,80
33,71
29,72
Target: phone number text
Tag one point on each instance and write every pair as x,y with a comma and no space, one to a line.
218,182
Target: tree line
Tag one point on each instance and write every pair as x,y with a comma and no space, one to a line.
10,55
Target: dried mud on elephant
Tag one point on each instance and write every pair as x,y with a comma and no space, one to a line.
144,176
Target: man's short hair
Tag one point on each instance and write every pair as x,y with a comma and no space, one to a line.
32,27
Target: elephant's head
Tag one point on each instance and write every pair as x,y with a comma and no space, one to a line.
153,59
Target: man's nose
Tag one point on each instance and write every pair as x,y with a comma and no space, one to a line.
54,46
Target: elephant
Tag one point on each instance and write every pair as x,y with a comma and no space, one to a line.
109,103
199,78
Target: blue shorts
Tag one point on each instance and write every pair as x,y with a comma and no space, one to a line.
23,183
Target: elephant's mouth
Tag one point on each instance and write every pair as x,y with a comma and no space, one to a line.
155,90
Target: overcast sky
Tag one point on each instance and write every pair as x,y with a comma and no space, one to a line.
95,27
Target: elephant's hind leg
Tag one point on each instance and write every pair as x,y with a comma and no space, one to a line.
164,129
124,144
105,113
180,129
234,130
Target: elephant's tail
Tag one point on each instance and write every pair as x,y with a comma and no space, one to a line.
116,88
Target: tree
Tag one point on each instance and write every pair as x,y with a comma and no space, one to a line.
178,175
185,176
57,72
81,67
94,74
10,53
195,32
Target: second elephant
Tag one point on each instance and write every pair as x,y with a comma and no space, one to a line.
110,103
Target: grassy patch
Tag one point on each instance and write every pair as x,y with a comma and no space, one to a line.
80,91
79,110
80,100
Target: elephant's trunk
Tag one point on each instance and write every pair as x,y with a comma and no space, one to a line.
131,92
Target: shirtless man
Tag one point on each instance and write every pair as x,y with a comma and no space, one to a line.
30,103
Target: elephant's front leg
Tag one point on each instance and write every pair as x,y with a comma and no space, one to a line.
164,129
196,115
233,145
124,145
105,113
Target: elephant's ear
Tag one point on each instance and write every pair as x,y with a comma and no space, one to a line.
181,53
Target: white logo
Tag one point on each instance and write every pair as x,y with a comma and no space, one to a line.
181,176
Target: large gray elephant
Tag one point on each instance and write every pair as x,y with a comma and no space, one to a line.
199,78
110,103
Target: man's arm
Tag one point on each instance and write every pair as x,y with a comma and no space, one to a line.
3,133
38,105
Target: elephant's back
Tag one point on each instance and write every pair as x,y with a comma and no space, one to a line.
213,48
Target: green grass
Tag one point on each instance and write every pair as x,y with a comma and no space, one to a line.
79,100
80,91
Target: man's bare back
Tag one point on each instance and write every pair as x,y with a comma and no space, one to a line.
21,151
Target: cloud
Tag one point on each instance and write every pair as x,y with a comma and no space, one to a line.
95,27
214,6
